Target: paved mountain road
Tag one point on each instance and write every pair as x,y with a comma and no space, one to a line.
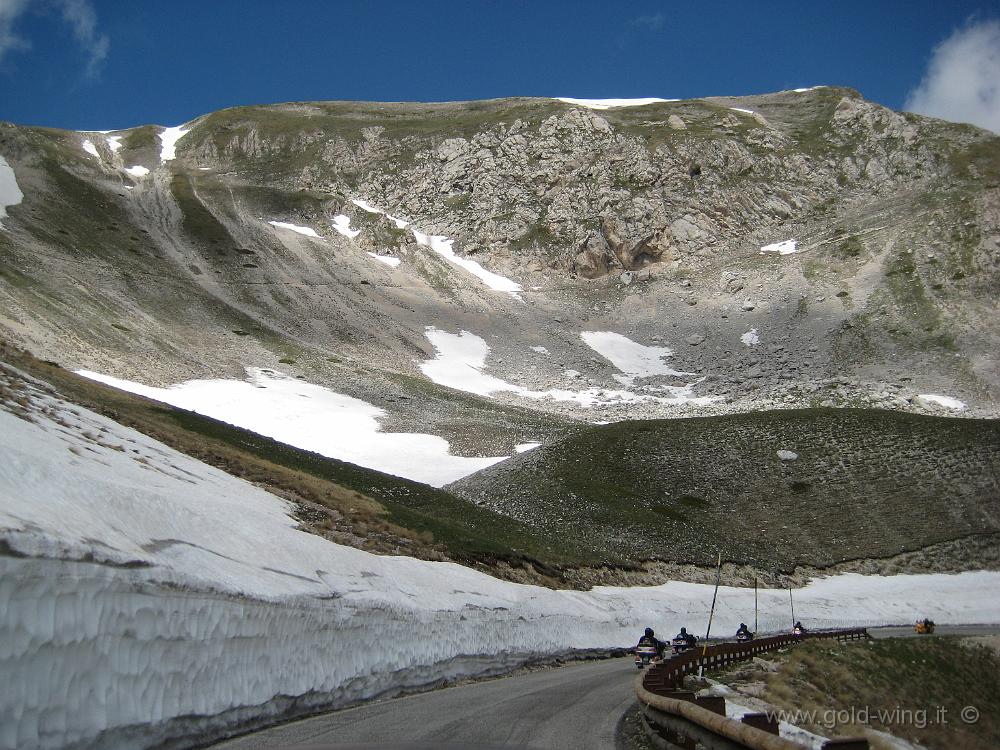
577,706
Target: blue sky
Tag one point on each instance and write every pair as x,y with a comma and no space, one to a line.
96,64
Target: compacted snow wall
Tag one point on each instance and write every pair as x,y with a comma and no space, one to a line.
97,656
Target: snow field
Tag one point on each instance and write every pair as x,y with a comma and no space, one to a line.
609,103
90,148
633,359
316,419
137,171
461,358
10,193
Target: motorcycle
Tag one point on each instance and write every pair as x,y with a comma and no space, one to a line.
646,655
743,636
797,630
680,645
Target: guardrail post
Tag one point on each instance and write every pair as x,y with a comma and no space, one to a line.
849,743
714,703
761,721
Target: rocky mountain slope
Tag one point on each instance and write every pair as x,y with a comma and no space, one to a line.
495,273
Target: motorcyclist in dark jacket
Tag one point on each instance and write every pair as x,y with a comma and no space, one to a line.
686,637
744,631
649,639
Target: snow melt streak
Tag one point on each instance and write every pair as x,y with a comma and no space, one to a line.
442,246
10,193
168,142
307,231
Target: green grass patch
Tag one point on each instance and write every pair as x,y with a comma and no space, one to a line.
913,688
867,483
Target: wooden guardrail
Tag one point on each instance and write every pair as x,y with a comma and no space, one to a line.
679,718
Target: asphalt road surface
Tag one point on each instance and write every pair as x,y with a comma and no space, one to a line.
577,706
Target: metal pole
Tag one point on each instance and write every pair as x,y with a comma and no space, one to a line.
711,613
791,604
755,604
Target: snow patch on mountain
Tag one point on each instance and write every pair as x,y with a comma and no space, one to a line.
781,248
609,103
389,260
114,143
442,246
10,193
461,358
307,231
947,402
168,142
90,148
633,359
343,225
137,171
316,419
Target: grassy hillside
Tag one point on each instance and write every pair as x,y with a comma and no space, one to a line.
914,688
866,483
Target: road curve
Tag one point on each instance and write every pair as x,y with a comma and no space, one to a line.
576,706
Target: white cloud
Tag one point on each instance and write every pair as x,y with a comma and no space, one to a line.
9,12
962,82
79,15
652,22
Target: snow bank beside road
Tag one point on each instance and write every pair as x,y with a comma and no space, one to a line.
154,597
